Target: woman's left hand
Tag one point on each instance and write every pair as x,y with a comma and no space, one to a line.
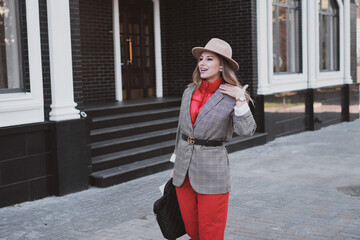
233,91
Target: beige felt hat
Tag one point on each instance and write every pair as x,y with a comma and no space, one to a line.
219,47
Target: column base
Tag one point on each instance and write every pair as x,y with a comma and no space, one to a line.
72,157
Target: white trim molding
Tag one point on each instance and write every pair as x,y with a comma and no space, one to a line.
24,108
263,47
62,90
313,44
158,58
117,51
268,82
347,42
328,78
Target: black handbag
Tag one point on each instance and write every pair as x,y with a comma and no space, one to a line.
168,213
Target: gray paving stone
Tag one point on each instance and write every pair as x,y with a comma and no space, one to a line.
295,187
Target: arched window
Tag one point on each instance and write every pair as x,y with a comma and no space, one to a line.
286,18
329,35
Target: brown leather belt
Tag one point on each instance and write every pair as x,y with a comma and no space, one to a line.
196,141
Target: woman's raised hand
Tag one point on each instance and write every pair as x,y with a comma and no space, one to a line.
233,91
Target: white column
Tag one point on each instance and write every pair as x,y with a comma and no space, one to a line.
117,51
62,93
158,59
347,42
262,46
312,42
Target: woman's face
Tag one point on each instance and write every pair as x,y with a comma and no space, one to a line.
209,65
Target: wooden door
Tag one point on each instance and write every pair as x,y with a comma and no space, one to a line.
137,48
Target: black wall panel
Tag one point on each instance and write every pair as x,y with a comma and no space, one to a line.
25,163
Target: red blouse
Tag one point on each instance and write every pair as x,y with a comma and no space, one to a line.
200,97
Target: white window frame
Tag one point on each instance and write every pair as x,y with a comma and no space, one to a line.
311,76
329,78
269,82
27,107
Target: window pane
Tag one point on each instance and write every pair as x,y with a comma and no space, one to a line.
336,43
293,42
136,28
324,46
275,40
286,38
324,5
329,38
282,39
10,77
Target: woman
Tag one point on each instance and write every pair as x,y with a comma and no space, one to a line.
212,108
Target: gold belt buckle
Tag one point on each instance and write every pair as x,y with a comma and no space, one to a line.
191,140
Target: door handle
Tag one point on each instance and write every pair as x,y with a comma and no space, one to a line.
130,51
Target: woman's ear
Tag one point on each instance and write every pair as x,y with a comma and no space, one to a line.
220,69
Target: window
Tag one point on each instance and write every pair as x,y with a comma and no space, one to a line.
11,79
329,35
287,56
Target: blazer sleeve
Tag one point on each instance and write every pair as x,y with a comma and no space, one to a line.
173,156
245,124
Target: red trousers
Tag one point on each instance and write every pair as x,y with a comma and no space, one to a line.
204,215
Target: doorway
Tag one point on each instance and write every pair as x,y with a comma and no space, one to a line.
137,48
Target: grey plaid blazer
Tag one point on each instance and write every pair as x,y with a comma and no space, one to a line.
208,167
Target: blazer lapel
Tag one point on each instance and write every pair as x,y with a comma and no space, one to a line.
210,104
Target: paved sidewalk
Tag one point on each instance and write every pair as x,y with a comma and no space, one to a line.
303,186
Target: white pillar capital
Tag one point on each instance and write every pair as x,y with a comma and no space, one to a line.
62,92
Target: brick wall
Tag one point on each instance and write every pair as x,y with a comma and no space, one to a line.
97,53
76,51
45,57
186,24
25,49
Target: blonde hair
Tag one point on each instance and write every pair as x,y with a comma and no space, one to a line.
228,75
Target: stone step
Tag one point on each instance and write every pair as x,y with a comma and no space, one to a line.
134,117
131,155
134,141
132,129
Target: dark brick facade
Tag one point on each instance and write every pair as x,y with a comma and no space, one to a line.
45,57
97,51
186,24
25,49
76,52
